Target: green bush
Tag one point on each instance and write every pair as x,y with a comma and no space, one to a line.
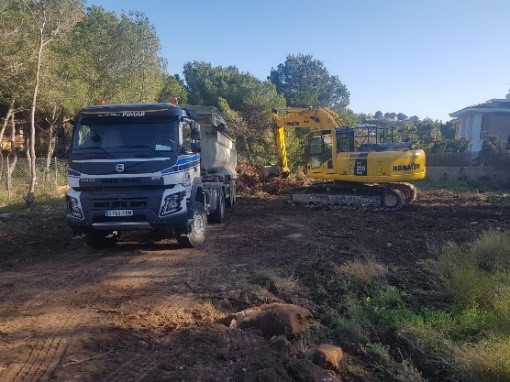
492,252
477,275
387,308
473,273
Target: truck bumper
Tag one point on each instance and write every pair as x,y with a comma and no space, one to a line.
144,216
143,220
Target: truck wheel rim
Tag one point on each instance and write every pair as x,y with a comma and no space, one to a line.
198,223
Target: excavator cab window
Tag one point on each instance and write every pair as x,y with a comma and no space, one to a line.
319,148
344,140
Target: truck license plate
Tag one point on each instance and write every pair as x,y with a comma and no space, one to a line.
119,213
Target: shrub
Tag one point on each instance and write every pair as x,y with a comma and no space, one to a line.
492,251
473,273
486,361
477,274
364,273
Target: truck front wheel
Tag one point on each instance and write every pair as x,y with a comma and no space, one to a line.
194,234
101,239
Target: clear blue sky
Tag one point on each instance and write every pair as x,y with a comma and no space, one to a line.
427,58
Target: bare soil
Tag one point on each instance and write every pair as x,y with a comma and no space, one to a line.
147,310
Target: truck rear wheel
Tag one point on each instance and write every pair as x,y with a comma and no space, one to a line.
219,214
194,234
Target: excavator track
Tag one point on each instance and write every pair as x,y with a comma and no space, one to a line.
392,196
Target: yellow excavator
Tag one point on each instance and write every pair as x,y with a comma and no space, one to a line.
352,170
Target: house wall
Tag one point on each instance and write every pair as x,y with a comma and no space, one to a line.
498,125
477,122
477,126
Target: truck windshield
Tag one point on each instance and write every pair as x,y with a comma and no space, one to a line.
121,134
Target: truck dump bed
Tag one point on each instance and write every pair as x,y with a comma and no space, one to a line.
218,151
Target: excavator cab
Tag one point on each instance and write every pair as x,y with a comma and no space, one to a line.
323,143
318,149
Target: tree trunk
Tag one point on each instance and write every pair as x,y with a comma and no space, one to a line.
10,169
30,197
49,154
1,165
52,141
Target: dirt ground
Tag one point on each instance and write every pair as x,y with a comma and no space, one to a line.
146,310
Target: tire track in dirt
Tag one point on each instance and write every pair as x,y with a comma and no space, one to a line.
235,344
135,370
43,357
167,272
204,265
37,356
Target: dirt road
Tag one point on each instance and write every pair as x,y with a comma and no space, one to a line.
149,311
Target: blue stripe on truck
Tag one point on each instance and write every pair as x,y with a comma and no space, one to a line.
182,164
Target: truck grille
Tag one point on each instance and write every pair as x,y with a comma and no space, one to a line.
132,204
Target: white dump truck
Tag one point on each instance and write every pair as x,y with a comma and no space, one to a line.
149,167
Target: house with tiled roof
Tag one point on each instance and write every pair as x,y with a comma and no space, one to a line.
478,122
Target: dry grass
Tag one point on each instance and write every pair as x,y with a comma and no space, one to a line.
281,283
477,275
364,272
487,360
474,272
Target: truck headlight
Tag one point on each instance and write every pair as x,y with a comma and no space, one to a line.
172,203
73,207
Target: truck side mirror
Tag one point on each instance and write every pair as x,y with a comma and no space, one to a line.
195,131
